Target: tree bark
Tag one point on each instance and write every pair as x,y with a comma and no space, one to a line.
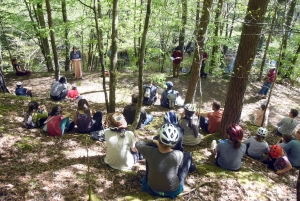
141,65
246,53
52,36
45,42
201,38
113,58
183,25
67,42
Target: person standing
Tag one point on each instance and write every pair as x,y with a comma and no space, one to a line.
177,57
204,58
268,80
75,57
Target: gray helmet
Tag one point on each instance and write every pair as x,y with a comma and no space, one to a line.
189,107
262,132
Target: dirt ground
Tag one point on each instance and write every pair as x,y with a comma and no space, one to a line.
37,167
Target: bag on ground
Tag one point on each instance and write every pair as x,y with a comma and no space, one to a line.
98,135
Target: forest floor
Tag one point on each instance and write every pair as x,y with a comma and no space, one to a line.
37,167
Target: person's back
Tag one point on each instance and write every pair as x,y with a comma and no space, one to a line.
288,124
257,146
292,150
84,121
150,92
57,88
215,119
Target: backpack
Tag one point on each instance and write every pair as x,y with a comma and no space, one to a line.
171,96
147,93
170,117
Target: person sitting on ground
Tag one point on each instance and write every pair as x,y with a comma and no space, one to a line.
73,93
288,124
58,123
212,124
85,120
257,146
121,153
59,89
279,162
268,80
167,168
20,71
35,116
231,152
130,110
168,97
150,93
292,150
286,138
189,125
21,91
259,114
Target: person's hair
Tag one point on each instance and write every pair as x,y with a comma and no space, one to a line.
216,104
163,145
177,48
236,134
83,105
134,98
287,138
33,105
259,138
294,112
74,47
56,110
19,86
62,80
263,106
13,60
191,122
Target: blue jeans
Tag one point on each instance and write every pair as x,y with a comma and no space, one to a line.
149,119
265,88
204,124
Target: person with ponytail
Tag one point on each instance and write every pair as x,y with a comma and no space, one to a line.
189,126
231,152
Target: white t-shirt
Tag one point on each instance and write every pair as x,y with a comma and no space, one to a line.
118,154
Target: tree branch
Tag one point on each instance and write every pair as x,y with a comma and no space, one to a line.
90,7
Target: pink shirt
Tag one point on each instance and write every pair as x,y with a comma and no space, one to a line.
53,126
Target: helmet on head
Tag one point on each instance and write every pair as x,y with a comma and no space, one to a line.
19,83
168,134
235,131
189,107
275,151
169,84
263,132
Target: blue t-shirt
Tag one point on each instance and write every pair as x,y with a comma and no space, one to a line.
229,157
21,91
292,150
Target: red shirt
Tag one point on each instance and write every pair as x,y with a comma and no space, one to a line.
177,54
271,75
53,126
73,94
214,119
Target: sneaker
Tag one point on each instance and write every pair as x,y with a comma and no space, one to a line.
192,168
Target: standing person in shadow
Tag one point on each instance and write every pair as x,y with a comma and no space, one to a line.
177,57
75,57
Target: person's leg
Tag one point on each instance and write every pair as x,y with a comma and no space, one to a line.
278,133
177,70
97,122
264,88
174,69
63,94
28,93
149,119
55,98
65,123
202,70
267,87
184,170
204,124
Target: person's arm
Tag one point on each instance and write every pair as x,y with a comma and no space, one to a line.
75,118
286,169
246,142
65,115
281,122
288,147
204,114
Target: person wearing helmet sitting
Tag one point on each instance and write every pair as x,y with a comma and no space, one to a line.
189,125
168,97
167,168
21,91
231,152
257,146
279,161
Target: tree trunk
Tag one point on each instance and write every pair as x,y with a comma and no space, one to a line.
268,42
225,48
113,58
204,20
214,61
46,46
246,53
183,25
141,66
67,42
52,36
134,31
295,59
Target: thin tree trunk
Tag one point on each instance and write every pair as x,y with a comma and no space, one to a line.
141,65
134,31
231,27
67,42
246,53
52,36
295,59
183,25
46,46
198,54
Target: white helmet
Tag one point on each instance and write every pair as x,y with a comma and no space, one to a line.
168,134
189,107
262,132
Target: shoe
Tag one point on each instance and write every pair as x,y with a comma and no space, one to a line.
213,145
192,168
263,97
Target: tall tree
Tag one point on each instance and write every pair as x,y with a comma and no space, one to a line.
141,65
113,58
67,42
201,38
246,53
52,36
183,24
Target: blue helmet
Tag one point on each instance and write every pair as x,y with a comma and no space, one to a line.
169,84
